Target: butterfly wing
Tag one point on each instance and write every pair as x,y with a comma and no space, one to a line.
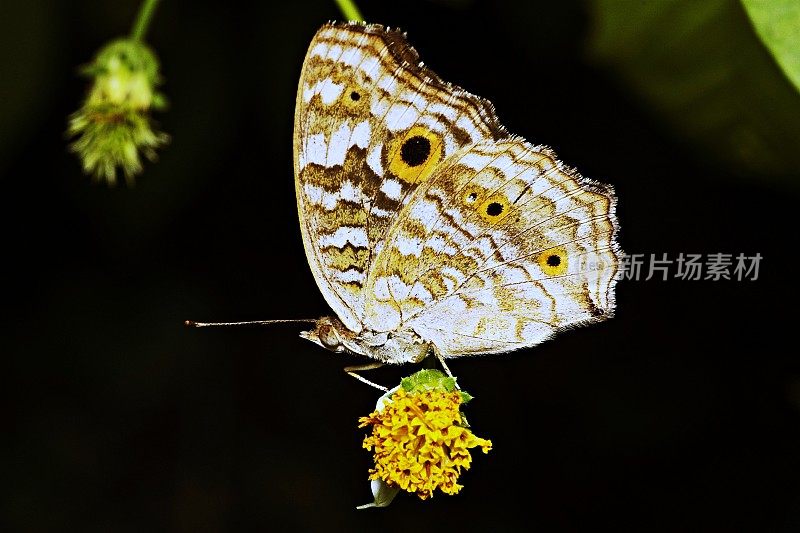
371,124
499,249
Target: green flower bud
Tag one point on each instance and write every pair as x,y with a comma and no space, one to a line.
113,128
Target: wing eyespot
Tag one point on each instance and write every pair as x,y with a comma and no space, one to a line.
354,97
495,208
472,196
415,150
554,262
415,154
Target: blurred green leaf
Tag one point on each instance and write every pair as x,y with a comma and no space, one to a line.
777,22
701,69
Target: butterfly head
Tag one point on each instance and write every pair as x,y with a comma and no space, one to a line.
331,334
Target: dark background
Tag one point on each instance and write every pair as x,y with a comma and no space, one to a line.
680,414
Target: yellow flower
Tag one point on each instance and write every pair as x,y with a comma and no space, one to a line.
420,438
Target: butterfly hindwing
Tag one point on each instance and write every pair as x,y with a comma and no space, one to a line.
499,249
371,125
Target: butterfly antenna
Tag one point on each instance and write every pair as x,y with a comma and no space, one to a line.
193,324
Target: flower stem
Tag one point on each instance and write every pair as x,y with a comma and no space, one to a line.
143,19
350,10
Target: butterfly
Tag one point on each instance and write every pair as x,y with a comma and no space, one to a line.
428,227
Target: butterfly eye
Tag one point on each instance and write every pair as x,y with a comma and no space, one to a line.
553,262
416,154
328,338
494,209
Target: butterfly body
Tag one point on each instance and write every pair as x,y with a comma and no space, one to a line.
386,347
427,226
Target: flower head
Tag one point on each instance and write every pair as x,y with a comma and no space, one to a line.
420,439
113,128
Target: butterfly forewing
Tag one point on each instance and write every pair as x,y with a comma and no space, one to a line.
371,123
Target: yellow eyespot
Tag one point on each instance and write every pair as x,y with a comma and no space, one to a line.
495,208
415,155
354,97
554,262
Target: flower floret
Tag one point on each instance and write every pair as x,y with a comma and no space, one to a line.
420,441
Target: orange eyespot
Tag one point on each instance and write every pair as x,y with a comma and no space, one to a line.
553,262
495,208
415,154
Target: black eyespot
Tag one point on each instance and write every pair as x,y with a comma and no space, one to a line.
494,209
553,260
472,196
415,151
354,96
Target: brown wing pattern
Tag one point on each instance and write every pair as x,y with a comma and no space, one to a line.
371,124
502,247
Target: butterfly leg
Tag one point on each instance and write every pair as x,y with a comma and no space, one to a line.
351,370
445,367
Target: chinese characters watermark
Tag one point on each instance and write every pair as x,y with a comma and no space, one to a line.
691,267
